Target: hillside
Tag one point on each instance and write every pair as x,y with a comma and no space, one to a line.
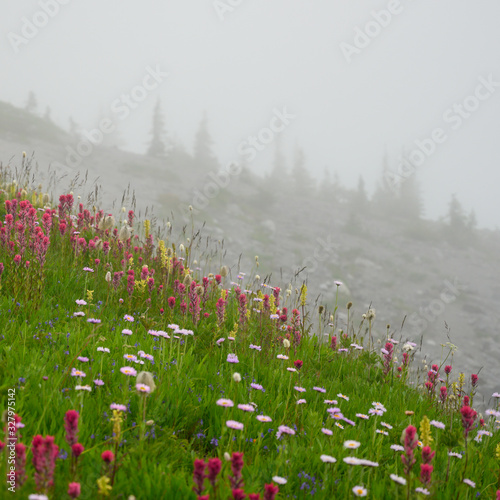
401,268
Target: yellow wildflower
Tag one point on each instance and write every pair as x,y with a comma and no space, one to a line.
104,486
425,431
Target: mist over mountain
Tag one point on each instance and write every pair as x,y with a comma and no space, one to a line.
364,81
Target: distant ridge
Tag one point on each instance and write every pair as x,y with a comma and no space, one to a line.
17,123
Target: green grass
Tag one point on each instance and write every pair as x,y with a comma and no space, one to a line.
161,434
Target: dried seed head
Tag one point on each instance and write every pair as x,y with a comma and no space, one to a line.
199,290
187,280
125,232
224,271
321,309
349,305
146,378
370,315
109,222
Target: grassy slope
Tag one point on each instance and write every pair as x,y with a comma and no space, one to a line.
42,338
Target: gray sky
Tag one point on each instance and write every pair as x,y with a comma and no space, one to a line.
286,53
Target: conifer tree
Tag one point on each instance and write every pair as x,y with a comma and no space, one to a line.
157,147
279,172
74,129
410,201
302,180
31,103
204,157
456,216
326,186
387,188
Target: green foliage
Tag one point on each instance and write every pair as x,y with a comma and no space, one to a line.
42,340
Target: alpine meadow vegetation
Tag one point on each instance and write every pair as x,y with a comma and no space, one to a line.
136,365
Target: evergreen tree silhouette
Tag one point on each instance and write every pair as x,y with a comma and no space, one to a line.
410,201
302,180
326,187
360,199
157,147
204,157
48,114
74,129
385,195
31,103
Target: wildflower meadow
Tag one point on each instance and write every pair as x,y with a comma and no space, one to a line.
142,366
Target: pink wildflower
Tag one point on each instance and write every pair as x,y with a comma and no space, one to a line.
425,473
199,476
74,490
71,426
107,456
44,452
236,479
214,467
270,491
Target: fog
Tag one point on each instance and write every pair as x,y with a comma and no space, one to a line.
354,97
